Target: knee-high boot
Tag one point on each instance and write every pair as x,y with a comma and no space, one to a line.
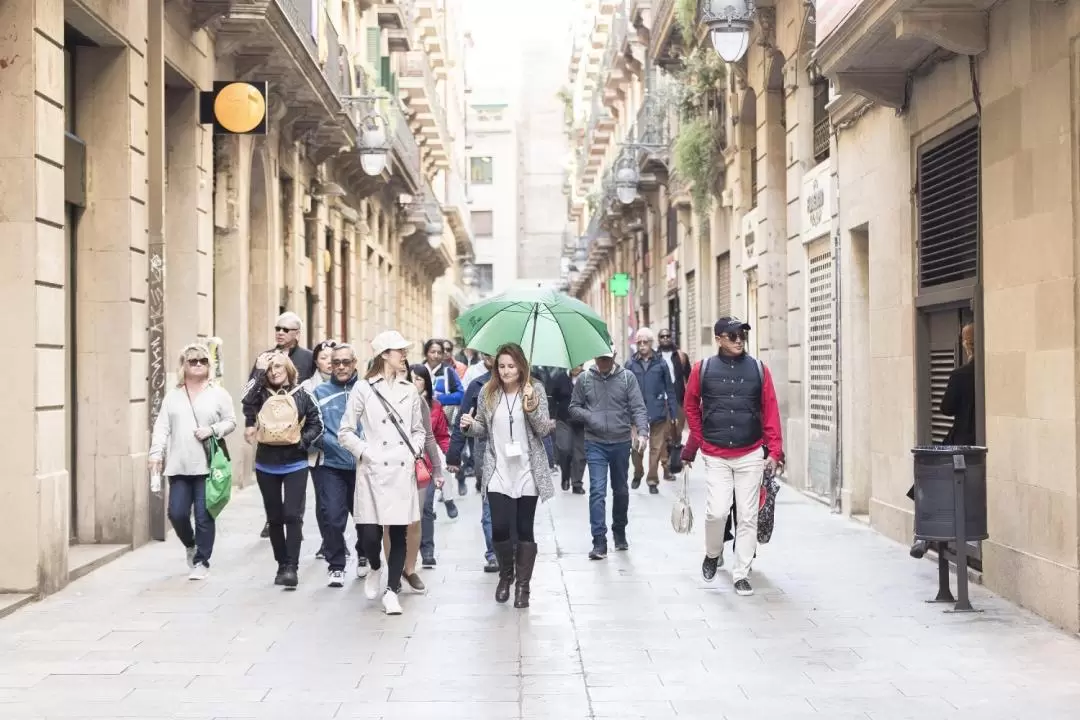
526,559
504,553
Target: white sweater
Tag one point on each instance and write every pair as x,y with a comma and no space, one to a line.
174,429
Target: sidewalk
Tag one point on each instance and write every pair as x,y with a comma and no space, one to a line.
838,630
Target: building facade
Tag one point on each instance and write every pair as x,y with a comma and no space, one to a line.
956,135
494,184
734,208
165,233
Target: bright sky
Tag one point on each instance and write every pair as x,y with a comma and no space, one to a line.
501,31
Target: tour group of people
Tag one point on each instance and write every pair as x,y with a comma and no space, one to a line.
384,441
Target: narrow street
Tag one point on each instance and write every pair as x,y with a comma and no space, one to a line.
838,629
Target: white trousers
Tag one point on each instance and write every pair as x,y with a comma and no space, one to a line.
738,479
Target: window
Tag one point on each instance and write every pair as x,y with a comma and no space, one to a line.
723,285
485,278
819,333
753,177
480,170
821,121
672,229
948,196
483,223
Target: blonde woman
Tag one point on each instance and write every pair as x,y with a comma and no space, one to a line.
191,413
383,427
281,466
512,416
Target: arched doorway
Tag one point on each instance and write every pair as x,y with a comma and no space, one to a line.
262,301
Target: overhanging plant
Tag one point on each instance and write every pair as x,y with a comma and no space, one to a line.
686,17
696,156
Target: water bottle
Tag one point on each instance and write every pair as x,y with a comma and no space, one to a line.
155,481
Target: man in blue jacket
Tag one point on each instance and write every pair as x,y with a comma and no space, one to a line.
658,391
453,456
334,472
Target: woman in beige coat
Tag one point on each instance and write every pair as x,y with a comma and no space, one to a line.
383,428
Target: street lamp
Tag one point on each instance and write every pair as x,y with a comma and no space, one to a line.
729,23
468,273
627,178
374,146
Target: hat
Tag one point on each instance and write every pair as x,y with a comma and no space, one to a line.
389,340
729,325
609,354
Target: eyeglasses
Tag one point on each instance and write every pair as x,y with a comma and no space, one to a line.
198,361
286,330
734,337
342,363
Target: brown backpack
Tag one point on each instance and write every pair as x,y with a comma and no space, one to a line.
279,421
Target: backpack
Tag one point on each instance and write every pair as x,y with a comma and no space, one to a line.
278,421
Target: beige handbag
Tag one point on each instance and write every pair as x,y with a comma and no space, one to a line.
682,516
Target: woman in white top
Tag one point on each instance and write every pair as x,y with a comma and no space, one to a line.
190,413
383,427
512,415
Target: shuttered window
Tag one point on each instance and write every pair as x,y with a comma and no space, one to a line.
942,363
374,46
819,331
691,312
723,285
948,192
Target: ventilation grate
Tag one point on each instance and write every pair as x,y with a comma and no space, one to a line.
723,285
949,210
820,328
942,364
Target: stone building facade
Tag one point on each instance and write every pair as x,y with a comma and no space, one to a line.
757,244
133,230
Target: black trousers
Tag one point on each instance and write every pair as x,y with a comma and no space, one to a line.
509,514
371,537
283,499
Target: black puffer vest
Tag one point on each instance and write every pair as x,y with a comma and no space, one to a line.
731,401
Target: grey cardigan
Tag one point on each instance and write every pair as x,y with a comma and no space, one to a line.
539,426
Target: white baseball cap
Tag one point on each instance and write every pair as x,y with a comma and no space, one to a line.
389,340
609,354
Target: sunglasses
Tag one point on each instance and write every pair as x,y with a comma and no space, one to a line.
342,363
734,337
198,361
286,330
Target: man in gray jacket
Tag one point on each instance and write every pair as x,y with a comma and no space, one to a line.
608,402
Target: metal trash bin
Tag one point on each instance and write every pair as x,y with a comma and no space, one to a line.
950,506
936,498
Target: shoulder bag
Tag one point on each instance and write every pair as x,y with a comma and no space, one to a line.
219,466
682,516
422,466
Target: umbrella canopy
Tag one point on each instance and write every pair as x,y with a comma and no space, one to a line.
552,328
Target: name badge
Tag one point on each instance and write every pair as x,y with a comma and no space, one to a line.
513,449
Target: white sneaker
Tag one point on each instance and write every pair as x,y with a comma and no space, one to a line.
336,579
374,584
390,603
199,572
362,569
191,557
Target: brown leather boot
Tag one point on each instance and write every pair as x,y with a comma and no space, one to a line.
504,553
526,559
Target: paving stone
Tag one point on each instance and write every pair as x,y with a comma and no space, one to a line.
838,629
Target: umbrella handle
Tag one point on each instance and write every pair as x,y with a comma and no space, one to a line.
532,343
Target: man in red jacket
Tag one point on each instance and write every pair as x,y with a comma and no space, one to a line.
734,420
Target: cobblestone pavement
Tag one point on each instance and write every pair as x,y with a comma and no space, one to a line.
838,630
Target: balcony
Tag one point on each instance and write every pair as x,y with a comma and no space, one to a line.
422,97
871,47
274,40
428,24
430,242
334,60
613,66
456,210
396,18
664,34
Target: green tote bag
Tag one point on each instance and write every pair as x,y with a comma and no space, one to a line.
219,481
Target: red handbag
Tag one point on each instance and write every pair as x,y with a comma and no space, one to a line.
423,472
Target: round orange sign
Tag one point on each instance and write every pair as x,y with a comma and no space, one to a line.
239,107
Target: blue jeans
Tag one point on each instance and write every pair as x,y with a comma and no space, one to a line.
549,447
333,502
185,492
427,523
485,522
605,458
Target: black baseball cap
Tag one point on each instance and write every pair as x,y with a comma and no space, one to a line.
729,325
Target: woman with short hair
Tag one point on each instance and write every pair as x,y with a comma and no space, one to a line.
191,413
284,424
512,415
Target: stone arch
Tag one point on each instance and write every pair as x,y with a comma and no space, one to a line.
748,119
261,297
774,72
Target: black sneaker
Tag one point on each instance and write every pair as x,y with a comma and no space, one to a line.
599,551
579,490
620,544
451,509
265,531
428,562
742,587
463,490
491,565
288,579
635,483
708,568
654,490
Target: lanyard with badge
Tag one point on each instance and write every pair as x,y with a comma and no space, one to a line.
513,448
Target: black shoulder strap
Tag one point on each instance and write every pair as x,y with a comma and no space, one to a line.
395,418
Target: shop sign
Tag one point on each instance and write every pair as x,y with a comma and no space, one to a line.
817,202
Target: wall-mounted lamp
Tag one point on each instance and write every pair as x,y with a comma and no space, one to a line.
729,23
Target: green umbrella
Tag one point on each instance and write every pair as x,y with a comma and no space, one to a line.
552,328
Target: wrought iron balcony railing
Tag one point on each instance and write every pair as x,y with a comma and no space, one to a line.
403,140
334,69
299,14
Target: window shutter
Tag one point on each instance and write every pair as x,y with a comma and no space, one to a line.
949,210
820,328
691,312
373,47
723,288
942,364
